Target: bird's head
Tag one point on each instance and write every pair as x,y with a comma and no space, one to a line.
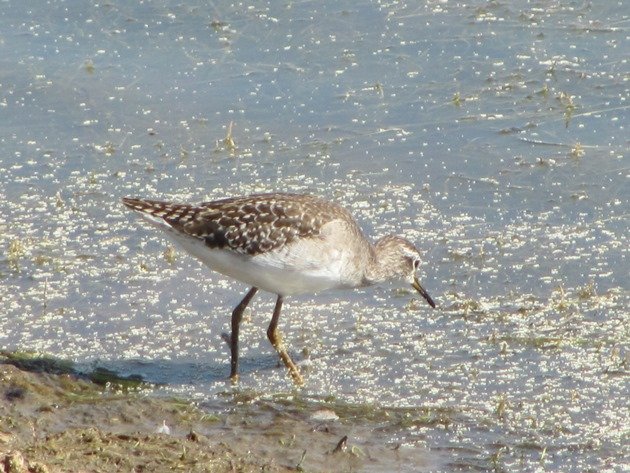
399,259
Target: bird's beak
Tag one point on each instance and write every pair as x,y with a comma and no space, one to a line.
416,285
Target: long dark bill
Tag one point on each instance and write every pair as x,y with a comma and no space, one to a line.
416,285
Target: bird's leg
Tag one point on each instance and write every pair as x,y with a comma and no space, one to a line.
237,315
276,341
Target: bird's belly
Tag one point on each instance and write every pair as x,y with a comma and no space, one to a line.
265,272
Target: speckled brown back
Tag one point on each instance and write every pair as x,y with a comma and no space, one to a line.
250,225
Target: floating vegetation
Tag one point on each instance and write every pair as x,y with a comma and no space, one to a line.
170,254
577,150
15,252
108,149
501,406
59,200
88,65
228,142
559,300
538,342
587,292
566,101
218,25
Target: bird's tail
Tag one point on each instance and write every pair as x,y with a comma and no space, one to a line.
156,211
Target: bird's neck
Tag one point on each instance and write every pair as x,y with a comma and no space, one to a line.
378,269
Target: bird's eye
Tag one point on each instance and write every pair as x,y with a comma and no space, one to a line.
416,264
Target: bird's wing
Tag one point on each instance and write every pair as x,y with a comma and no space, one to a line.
249,225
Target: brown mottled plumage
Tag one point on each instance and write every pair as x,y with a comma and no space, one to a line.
282,243
251,225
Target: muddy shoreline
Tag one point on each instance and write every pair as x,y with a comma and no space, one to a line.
53,419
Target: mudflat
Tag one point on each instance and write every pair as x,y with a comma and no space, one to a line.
56,420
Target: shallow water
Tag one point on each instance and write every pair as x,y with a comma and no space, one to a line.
493,135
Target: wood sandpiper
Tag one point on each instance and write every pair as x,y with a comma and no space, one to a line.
285,244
